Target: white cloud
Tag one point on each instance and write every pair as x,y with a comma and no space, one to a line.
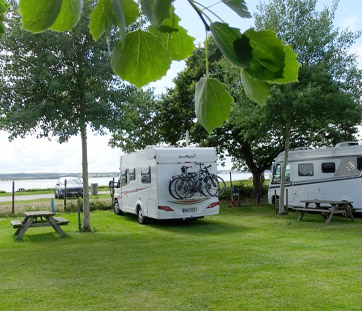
31,155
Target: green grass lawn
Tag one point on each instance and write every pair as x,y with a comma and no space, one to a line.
243,259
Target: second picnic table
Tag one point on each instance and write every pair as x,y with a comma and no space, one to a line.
326,208
38,219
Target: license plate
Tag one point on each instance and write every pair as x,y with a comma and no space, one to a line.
189,210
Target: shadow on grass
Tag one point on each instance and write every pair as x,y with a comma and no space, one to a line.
42,237
202,226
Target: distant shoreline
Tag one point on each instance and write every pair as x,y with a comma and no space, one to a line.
30,176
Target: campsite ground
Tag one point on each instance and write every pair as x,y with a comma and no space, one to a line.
243,259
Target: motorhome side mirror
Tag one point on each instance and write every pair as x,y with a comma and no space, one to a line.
113,184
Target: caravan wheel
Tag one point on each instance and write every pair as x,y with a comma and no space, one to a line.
116,208
141,217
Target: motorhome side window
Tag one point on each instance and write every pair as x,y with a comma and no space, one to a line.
146,175
359,163
277,174
328,167
124,177
132,174
305,169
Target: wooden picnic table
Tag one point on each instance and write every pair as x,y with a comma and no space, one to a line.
326,208
38,219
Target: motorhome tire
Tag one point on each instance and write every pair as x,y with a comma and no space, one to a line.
116,208
141,217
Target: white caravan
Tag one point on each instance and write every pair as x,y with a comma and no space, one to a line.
320,174
143,185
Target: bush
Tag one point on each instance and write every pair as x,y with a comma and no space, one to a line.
246,189
94,205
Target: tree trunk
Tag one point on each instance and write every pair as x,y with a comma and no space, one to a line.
282,210
86,213
257,184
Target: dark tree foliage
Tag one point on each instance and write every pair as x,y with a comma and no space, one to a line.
58,84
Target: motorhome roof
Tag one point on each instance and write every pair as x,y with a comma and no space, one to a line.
341,150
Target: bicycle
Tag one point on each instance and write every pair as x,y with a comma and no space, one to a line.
184,186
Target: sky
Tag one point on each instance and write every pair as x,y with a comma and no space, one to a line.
31,155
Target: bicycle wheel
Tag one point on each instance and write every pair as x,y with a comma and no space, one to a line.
172,187
182,188
214,185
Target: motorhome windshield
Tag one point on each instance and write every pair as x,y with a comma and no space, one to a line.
277,174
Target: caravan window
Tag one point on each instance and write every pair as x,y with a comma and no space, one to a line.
124,177
277,174
328,167
305,169
146,175
132,174
359,163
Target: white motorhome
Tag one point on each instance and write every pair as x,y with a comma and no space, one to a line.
320,174
143,186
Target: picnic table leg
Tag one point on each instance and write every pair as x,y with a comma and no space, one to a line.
19,229
26,227
333,209
301,215
348,211
55,226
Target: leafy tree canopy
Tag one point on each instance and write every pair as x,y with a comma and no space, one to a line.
142,56
324,109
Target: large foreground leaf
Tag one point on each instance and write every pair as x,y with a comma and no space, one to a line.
255,89
38,15
232,44
290,72
179,44
103,16
68,16
141,59
268,53
212,103
59,15
238,6
3,9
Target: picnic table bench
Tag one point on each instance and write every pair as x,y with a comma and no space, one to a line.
326,208
38,219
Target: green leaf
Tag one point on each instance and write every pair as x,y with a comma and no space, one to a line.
268,53
102,16
68,16
3,6
255,89
131,11
97,23
290,73
141,59
147,9
3,9
120,18
212,103
38,15
232,44
238,6
179,44
161,11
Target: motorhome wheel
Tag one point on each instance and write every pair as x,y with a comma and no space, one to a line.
141,218
116,208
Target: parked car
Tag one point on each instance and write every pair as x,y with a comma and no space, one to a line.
74,187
